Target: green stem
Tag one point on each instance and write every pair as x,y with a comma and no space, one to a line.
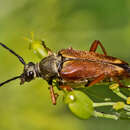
99,114
126,107
117,92
103,104
128,113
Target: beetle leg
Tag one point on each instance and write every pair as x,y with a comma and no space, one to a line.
49,50
53,95
95,45
120,84
68,88
99,78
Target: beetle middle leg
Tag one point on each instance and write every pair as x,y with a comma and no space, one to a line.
95,45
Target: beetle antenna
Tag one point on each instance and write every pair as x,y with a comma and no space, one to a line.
7,81
19,57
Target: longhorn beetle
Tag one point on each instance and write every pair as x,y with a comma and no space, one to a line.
71,68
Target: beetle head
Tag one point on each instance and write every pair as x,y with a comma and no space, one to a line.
29,73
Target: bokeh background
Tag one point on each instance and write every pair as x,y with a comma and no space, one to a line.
61,24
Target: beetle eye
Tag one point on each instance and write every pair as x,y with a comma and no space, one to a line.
31,74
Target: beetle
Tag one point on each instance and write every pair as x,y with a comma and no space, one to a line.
71,68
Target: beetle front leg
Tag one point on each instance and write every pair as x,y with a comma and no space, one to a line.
53,95
49,50
95,45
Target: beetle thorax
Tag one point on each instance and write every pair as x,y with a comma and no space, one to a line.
48,67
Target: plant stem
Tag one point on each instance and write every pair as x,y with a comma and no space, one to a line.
99,114
126,107
103,104
120,94
128,113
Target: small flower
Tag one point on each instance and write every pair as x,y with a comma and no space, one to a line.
114,86
118,105
128,100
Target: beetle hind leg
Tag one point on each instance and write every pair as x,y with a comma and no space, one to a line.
95,45
121,85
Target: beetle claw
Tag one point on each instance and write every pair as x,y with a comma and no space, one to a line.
68,88
56,95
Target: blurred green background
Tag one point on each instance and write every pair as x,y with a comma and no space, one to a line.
61,24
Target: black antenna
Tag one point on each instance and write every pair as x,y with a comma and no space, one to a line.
19,57
14,78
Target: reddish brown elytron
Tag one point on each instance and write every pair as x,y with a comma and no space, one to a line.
94,67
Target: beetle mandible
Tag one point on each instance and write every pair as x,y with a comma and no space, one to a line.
71,68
